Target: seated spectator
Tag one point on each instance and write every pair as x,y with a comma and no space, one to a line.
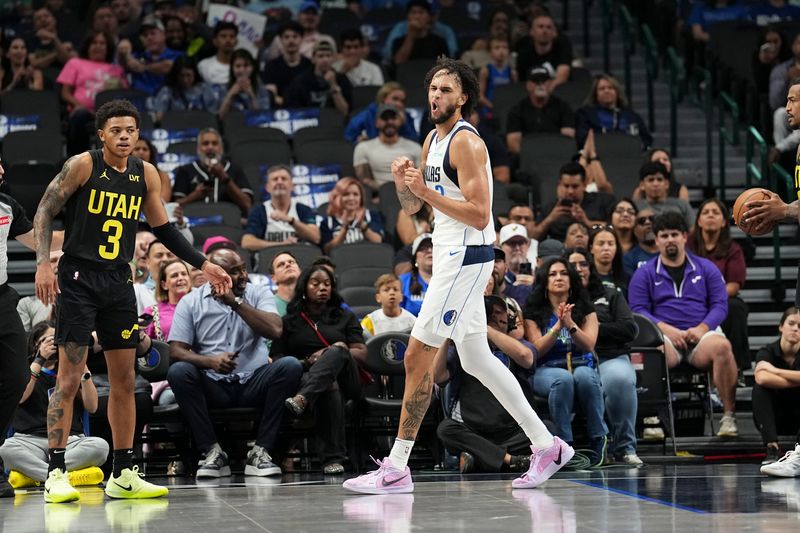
146,151
561,323
81,79
149,68
25,453
478,428
596,179
706,14
548,249
358,70
213,177
623,218
16,71
606,254
322,86
606,110
711,238
390,317
284,271
157,255
477,56
363,125
244,91
408,227
308,19
645,247
174,284
689,317
139,263
676,189
279,72
502,285
572,204
539,112
327,340
281,219
545,47
419,36
522,214
221,360
46,47
577,236
105,20
183,90
616,329
773,49
781,75
776,409
654,179
216,69
498,72
415,282
372,159
773,11
348,219
516,244
31,309
177,35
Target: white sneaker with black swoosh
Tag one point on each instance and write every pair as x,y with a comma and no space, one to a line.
57,488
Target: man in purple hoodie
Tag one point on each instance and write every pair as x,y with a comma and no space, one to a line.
685,295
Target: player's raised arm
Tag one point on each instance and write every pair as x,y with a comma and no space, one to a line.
172,238
73,175
409,201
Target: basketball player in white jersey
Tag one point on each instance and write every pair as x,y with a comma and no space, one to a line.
455,179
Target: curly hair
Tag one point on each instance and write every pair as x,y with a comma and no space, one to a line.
466,79
333,309
538,307
116,108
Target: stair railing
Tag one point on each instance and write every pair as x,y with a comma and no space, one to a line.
677,75
608,27
651,67
627,26
727,135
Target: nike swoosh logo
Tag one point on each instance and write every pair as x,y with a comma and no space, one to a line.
385,483
558,461
454,252
658,283
123,487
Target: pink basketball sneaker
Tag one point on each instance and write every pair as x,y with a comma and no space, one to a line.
544,463
385,480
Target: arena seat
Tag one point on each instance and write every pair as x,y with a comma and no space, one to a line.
506,97
229,212
358,295
27,183
360,277
362,254
326,152
184,120
541,157
33,147
266,152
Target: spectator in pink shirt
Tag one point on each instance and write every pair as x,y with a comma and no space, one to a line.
81,79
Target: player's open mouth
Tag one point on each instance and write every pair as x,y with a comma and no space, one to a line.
434,106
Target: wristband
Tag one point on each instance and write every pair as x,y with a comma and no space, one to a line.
86,376
39,360
35,375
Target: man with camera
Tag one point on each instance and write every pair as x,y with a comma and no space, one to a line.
213,177
484,435
572,204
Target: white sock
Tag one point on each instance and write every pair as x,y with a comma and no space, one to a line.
400,453
478,360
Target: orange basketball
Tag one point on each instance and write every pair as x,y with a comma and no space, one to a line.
739,209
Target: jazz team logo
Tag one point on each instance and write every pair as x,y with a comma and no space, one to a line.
126,333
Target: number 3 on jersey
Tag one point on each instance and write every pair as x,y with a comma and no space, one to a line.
114,230
439,189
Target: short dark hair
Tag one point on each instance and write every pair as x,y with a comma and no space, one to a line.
290,25
223,25
351,34
466,78
150,246
87,42
271,268
115,108
671,220
572,169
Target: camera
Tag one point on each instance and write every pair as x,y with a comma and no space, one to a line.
566,202
525,269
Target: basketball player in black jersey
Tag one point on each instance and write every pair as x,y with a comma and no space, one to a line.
103,192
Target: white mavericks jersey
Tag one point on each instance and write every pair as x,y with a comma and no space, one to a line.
443,179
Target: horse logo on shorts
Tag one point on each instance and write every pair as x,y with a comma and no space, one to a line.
449,317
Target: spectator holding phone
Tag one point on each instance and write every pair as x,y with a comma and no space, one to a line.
572,204
518,273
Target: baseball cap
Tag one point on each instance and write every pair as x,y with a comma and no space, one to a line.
418,242
499,253
387,107
513,230
149,22
216,242
540,74
550,248
305,6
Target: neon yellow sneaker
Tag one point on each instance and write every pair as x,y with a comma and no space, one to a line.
86,476
57,488
18,480
131,485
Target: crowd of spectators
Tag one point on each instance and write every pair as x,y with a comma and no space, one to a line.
568,272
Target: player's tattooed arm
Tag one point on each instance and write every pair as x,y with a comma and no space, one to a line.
55,197
409,201
793,210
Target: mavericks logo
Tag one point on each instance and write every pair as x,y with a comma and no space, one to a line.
450,317
126,333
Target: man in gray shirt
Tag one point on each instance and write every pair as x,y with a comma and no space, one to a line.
654,178
218,341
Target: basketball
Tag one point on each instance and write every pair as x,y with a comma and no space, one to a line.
739,209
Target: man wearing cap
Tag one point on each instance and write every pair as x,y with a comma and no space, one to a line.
372,159
148,69
415,283
323,86
515,244
654,178
419,42
539,112
217,68
545,47
645,248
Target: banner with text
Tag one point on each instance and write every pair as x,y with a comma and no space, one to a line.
286,120
251,25
312,184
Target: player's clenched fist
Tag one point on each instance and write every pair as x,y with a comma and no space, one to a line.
399,166
415,182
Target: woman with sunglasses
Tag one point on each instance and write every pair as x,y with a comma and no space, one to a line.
607,253
616,330
645,248
623,218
